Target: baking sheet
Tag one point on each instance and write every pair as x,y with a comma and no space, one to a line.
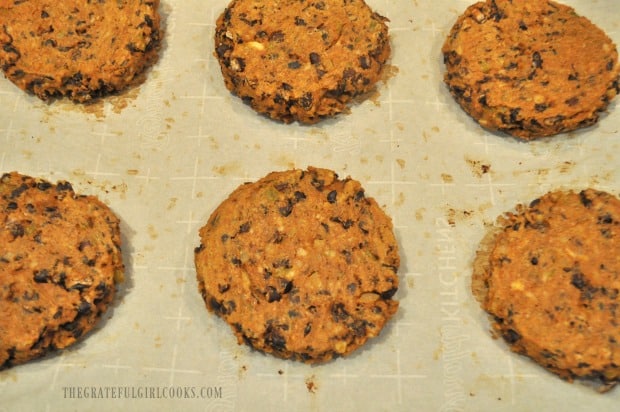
164,155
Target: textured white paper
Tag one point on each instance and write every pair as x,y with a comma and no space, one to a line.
166,154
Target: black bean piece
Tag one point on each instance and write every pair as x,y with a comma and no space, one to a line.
89,262
70,326
348,74
318,184
283,263
294,65
30,296
346,224
391,267
306,101
461,93
496,13
511,336
79,287
18,191
237,64
274,339
299,21
216,306
249,22
364,63
77,332
277,237
62,277
540,107
347,256
388,294
522,25
514,115
288,286
64,187
227,14
286,210
605,219
331,196
9,48
537,60
278,100
535,202
277,36
534,261
282,187
294,297
222,50
244,228
299,196
315,58
133,48
552,121
223,288
102,287
339,313
505,259
11,206
236,261
359,327
578,280
452,58
84,308
584,199
41,276
272,294
251,342
76,79
308,328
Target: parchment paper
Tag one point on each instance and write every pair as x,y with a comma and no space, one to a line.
165,154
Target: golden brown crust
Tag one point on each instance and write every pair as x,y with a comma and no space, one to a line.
81,50
301,61
530,68
482,266
549,276
301,264
59,263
